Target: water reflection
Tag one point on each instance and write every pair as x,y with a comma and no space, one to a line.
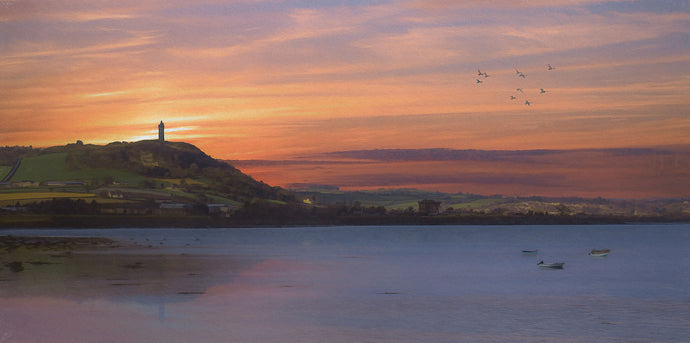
143,295
411,284
118,276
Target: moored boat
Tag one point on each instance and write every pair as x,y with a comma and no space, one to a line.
530,251
599,252
552,265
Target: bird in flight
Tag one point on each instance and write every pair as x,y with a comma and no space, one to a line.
479,81
480,73
550,67
521,75
541,91
527,102
518,89
512,97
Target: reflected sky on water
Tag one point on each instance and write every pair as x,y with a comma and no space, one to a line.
375,284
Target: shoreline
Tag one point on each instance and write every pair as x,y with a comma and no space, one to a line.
11,243
115,221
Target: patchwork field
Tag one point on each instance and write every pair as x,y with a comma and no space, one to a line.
53,167
24,197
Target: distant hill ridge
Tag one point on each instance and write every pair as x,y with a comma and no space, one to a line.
146,161
151,158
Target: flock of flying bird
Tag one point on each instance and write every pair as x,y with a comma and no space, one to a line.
519,75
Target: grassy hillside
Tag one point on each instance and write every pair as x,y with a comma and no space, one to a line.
4,170
54,167
42,168
179,169
11,198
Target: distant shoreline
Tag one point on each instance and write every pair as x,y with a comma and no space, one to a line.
105,221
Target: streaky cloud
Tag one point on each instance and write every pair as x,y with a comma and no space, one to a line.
443,154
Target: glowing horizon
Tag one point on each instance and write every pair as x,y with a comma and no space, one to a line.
260,79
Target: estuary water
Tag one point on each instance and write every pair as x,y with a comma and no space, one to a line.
357,284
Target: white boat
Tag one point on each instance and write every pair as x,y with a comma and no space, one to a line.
552,265
599,252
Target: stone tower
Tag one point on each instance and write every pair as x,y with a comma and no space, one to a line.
161,132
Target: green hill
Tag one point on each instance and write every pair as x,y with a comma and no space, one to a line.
181,170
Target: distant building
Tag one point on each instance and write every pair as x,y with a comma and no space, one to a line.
126,208
115,195
174,208
55,183
161,132
25,184
221,210
429,207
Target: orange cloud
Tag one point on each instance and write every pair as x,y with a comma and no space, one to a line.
273,80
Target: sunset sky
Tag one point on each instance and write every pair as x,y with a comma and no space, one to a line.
277,80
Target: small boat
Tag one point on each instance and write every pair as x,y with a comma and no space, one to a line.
552,265
529,251
599,252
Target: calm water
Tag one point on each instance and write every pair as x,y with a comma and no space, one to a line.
358,284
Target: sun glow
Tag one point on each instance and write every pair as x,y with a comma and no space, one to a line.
275,81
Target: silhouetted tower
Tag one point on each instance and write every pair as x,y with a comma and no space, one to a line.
161,132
